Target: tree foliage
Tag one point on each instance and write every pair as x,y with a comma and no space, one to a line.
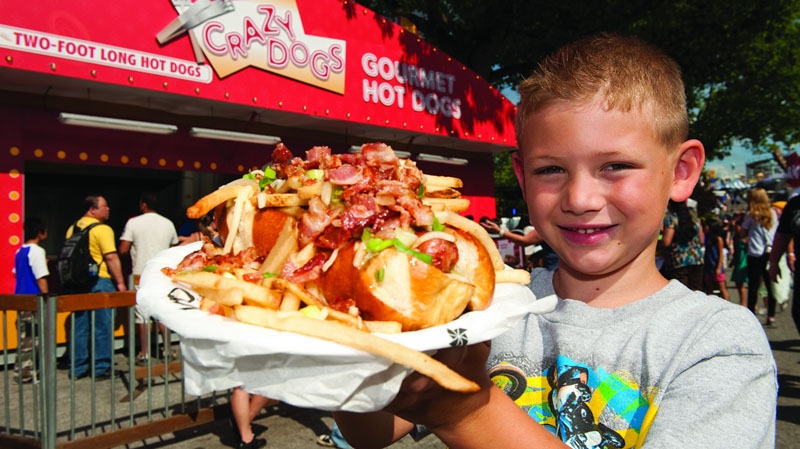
740,60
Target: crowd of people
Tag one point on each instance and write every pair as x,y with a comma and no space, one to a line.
144,236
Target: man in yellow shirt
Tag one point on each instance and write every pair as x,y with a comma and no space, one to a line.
102,247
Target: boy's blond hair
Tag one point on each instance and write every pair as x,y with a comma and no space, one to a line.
629,74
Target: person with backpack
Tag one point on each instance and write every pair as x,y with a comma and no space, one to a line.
103,252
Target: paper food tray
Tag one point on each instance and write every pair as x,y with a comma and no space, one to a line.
220,353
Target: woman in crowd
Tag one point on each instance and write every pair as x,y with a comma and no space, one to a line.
683,239
760,223
714,259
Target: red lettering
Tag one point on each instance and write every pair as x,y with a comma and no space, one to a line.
278,54
337,62
251,33
235,45
320,66
209,29
269,13
286,24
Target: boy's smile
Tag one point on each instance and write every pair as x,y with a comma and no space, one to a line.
597,183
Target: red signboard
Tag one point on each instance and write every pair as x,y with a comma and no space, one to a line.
327,58
332,60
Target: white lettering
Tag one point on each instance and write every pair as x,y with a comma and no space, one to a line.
368,64
370,91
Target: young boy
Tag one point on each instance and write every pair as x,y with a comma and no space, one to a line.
627,359
30,270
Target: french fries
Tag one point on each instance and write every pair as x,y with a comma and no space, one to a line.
251,293
212,200
516,276
285,246
347,336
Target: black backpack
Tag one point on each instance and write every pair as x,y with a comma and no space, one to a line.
76,268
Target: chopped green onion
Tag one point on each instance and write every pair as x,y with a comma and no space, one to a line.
315,173
336,195
377,245
421,191
311,311
248,176
270,173
438,227
379,275
263,183
210,268
366,234
270,275
427,258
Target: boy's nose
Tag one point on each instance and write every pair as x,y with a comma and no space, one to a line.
582,193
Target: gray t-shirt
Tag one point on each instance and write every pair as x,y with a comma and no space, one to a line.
674,370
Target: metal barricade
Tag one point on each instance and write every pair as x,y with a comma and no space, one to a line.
44,406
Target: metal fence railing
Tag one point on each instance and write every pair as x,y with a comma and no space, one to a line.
43,406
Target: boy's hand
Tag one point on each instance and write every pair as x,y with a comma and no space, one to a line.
423,401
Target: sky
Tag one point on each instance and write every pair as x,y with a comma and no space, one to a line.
734,164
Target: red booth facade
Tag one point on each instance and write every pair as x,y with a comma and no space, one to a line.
322,72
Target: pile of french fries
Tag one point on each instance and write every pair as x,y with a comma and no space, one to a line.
257,296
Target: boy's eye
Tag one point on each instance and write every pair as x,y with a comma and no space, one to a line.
616,166
549,170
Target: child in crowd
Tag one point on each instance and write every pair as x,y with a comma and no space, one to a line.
714,258
627,358
31,272
739,262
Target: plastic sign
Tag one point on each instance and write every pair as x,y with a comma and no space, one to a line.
267,35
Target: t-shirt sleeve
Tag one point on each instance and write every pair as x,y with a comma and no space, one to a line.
726,396
38,261
105,238
127,233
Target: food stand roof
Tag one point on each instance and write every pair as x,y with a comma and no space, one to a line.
280,67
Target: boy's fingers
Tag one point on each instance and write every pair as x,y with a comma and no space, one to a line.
418,391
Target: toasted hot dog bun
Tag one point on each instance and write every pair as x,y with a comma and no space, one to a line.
415,294
411,292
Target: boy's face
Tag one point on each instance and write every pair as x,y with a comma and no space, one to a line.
597,184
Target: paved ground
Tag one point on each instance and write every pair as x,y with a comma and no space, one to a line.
785,343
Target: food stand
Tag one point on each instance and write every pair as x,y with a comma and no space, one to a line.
151,83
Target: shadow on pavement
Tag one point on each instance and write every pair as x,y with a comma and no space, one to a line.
789,386
785,345
789,413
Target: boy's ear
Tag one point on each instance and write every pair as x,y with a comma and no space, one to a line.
690,159
519,170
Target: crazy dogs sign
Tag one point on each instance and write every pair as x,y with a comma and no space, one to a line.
265,34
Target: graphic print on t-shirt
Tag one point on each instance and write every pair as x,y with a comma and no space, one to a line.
585,407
